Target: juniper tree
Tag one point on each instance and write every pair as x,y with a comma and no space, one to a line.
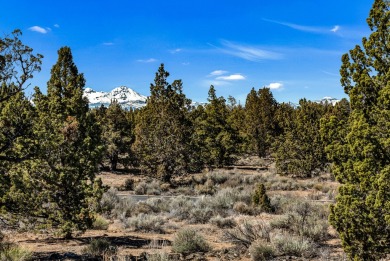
214,136
59,183
18,63
361,214
163,130
117,133
260,109
300,150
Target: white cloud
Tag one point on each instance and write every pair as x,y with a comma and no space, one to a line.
108,44
275,86
217,72
151,60
335,29
306,28
57,26
250,53
38,29
232,77
217,83
176,51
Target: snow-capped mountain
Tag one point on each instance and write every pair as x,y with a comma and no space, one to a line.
125,96
328,100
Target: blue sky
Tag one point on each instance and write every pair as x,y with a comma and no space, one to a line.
294,47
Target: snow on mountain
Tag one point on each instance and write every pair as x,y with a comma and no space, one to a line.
328,100
125,96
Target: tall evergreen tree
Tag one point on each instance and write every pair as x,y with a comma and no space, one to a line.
300,150
163,130
260,109
117,133
215,137
60,181
18,63
361,214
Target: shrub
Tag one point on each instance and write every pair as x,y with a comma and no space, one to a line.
292,245
108,201
100,223
247,232
141,188
125,208
11,252
261,250
99,247
261,199
146,223
218,177
129,184
188,241
181,207
242,208
222,222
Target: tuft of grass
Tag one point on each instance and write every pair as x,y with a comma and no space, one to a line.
188,241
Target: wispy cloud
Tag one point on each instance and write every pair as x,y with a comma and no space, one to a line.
335,29
108,43
232,77
306,28
248,52
275,86
151,60
56,25
39,29
177,50
217,73
217,83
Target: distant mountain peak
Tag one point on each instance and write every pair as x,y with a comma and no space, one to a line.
125,96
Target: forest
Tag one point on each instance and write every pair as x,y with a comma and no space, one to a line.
54,149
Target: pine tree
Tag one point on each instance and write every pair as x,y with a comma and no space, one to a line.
361,214
60,181
163,130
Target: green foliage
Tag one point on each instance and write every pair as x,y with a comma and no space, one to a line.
99,247
261,199
58,183
300,150
117,133
188,241
18,63
163,130
360,153
214,136
260,109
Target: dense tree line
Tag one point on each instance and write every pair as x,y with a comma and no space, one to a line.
51,148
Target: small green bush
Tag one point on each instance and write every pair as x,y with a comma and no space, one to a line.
261,199
11,252
99,247
188,241
129,184
100,223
